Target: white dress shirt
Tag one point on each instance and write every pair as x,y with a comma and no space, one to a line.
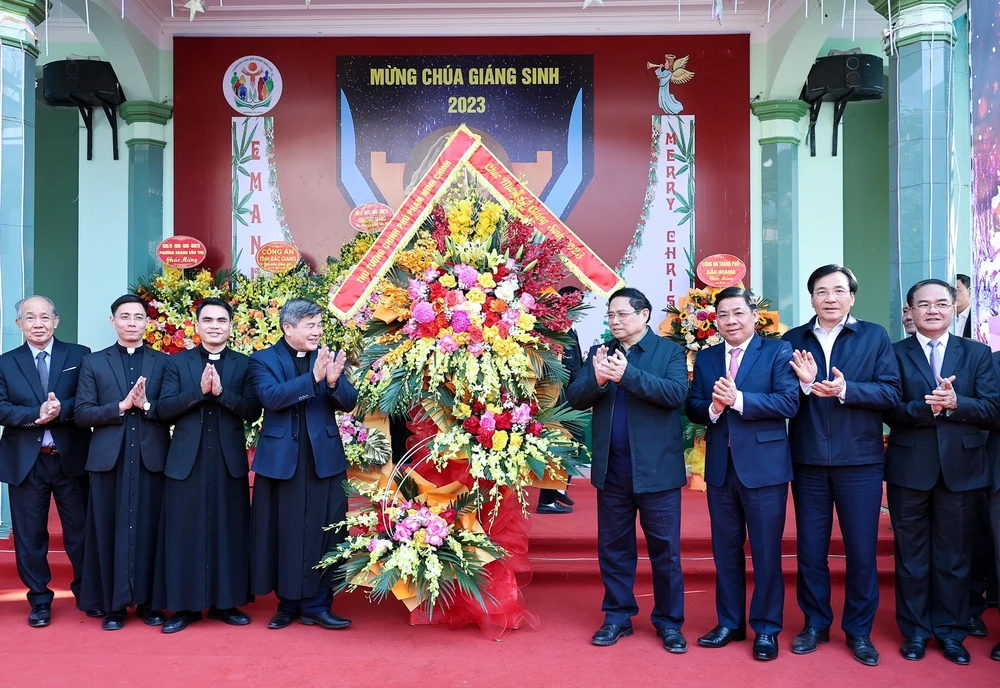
960,320
924,341
47,440
738,404
826,340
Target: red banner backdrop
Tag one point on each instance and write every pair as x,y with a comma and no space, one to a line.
605,217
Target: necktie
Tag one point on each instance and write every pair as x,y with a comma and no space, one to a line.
935,358
734,362
43,371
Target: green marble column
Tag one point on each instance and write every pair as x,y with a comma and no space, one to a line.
18,52
146,141
921,122
779,160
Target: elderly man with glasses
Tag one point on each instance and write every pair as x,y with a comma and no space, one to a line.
636,384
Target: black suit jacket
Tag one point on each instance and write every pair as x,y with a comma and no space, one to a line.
993,443
102,386
181,403
21,398
922,446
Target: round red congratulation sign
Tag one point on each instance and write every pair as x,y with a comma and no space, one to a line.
721,270
181,252
277,257
371,217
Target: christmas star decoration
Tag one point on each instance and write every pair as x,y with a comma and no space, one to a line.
194,6
588,3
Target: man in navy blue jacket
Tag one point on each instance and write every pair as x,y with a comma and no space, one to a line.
848,377
993,490
300,466
636,384
744,390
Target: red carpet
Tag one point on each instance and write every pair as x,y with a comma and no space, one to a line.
382,650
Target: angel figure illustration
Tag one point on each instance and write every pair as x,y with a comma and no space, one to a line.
671,71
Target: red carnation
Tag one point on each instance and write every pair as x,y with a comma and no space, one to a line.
701,334
491,319
478,407
500,272
437,291
441,320
471,425
503,421
503,328
429,330
535,428
711,316
449,515
534,408
485,438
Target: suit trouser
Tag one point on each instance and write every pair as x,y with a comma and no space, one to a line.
29,514
994,516
660,518
856,491
933,551
737,511
983,583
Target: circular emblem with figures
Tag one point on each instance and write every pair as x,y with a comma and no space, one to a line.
252,85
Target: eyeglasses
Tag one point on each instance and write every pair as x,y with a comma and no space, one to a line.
619,315
923,306
824,293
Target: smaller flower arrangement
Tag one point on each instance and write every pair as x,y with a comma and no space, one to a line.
422,547
171,300
692,322
365,447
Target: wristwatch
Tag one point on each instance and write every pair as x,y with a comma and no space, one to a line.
145,407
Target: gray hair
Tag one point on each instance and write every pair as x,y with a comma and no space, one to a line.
296,310
17,306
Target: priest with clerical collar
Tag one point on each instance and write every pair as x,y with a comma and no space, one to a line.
118,396
300,466
204,548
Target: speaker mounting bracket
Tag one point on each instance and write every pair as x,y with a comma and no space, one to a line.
814,108
87,114
839,106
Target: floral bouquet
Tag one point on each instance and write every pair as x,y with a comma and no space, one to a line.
365,447
467,319
171,300
424,548
691,323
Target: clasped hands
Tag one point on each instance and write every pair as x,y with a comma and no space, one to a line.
609,368
329,366
211,383
136,398
723,394
806,369
49,411
943,398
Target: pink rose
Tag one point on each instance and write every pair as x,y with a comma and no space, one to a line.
521,414
488,422
447,345
476,350
454,298
528,301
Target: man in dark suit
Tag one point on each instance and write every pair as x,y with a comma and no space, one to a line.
848,376
993,458
553,501
204,545
117,396
935,467
42,452
300,466
744,390
636,385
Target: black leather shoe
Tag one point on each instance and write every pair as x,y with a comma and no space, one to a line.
995,653
233,616
808,638
720,636
553,508
150,617
180,621
673,640
608,634
115,621
324,619
95,613
564,498
40,615
954,651
977,627
864,649
765,647
913,648
281,620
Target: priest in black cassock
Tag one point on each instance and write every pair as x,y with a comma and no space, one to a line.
300,467
204,551
117,396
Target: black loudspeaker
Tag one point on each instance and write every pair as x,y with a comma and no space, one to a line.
71,83
835,76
